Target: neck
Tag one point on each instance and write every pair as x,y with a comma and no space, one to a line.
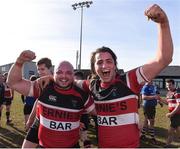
64,88
107,84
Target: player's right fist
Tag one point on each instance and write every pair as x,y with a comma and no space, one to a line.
26,56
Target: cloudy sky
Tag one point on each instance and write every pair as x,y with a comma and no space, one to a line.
51,28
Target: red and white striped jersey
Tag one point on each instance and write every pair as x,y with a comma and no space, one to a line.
59,114
173,97
117,110
8,92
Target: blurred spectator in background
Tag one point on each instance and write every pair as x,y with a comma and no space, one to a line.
7,99
150,97
173,101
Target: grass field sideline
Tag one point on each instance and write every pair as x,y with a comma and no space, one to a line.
11,136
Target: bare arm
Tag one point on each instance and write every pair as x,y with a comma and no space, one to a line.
15,80
165,45
163,101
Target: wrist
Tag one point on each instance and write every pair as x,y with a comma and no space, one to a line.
19,62
164,24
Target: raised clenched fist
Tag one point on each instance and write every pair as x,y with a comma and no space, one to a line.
26,56
156,14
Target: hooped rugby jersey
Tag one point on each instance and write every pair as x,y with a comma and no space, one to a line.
117,110
8,92
59,114
173,97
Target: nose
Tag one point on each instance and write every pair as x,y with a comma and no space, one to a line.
104,65
63,75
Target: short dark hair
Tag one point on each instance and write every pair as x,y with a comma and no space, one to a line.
45,61
99,50
79,74
33,78
170,81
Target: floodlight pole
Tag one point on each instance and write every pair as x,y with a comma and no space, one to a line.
81,5
80,46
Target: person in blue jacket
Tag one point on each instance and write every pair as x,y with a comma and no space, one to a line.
150,97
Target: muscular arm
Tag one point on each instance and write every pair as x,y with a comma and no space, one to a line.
15,79
165,45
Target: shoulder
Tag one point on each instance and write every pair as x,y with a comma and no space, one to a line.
81,91
82,84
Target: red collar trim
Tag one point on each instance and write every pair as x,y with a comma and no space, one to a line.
107,84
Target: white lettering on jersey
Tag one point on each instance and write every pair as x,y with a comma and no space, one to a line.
58,125
117,120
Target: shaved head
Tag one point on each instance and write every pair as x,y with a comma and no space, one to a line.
64,65
64,74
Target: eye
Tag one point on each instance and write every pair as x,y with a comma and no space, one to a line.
69,73
109,61
59,72
99,62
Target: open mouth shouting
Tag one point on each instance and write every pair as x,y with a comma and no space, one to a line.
106,73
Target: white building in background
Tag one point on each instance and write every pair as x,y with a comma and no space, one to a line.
29,68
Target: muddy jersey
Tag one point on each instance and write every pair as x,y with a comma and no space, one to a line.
117,110
173,97
59,114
